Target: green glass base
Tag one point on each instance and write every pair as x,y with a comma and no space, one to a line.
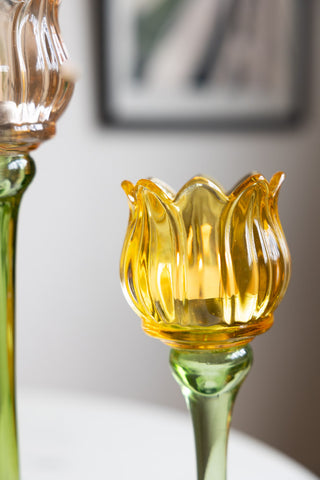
210,381
16,172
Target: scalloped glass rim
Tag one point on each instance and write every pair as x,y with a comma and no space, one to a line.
167,194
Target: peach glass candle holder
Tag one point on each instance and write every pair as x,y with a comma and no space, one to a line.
35,88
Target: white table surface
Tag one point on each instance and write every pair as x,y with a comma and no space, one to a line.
75,437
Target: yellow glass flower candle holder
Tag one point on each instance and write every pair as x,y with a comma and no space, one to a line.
205,270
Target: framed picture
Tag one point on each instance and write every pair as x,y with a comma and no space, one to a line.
203,62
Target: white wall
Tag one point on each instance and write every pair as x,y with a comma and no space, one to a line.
75,330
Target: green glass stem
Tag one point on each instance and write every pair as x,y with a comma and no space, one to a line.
16,172
210,381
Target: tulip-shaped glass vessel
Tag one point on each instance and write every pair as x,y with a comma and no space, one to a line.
205,270
35,87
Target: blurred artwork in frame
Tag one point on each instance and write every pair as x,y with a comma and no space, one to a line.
199,62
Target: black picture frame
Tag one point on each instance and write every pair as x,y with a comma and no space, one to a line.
134,98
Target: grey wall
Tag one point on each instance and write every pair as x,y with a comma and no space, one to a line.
75,329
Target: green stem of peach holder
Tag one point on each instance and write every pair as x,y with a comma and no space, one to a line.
210,381
16,172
